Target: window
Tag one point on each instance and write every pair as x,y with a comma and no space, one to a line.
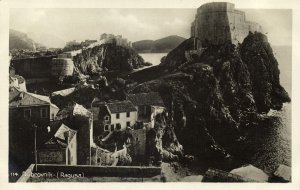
128,114
106,118
128,123
118,126
27,113
112,127
106,128
43,112
52,116
136,139
118,116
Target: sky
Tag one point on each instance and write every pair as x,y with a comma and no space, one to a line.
53,27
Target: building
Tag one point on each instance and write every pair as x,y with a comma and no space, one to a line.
86,43
80,119
18,82
148,105
219,23
29,116
31,107
117,115
61,148
117,39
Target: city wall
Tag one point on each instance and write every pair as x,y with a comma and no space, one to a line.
37,67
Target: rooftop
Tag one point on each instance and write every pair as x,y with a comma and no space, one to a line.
151,98
64,92
59,139
75,110
19,98
121,106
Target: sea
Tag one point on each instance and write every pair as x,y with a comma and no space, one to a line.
153,58
271,144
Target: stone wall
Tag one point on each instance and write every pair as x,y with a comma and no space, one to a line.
62,67
84,131
138,145
37,67
218,23
52,156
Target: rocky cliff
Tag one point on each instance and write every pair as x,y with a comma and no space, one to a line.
107,57
215,96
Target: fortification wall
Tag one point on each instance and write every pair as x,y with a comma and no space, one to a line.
62,67
220,22
38,67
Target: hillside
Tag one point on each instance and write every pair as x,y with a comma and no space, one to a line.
163,45
20,40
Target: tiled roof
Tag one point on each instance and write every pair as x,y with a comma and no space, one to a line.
151,99
64,92
19,98
75,109
61,131
80,110
121,106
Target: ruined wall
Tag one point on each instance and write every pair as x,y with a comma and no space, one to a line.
218,23
62,67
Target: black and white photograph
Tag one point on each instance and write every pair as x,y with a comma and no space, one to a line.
197,93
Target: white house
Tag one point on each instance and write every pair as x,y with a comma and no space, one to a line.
118,115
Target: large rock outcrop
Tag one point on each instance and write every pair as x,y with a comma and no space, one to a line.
216,95
258,55
107,57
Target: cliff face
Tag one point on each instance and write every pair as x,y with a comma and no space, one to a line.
107,57
162,143
258,55
219,93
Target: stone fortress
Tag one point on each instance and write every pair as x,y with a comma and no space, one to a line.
219,22
108,38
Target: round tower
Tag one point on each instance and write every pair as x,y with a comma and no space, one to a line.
62,67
